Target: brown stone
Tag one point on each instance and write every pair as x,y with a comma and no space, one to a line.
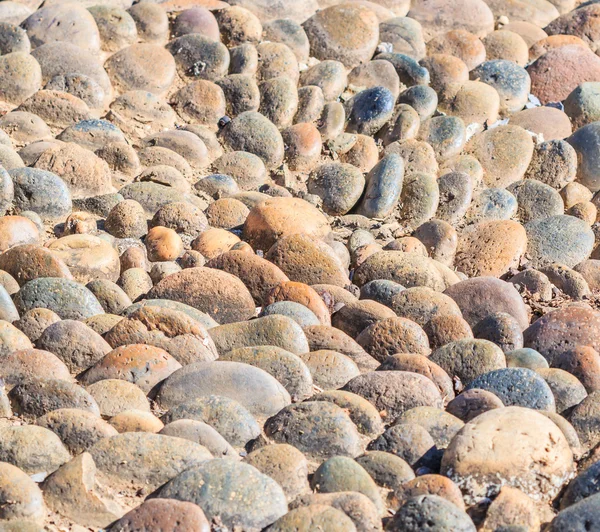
303,294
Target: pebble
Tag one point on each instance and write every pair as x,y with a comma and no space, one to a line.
431,511
236,501
163,513
347,35
517,435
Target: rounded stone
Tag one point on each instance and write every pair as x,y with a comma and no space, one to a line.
348,35
68,299
197,56
235,493
63,22
163,514
516,459
340,186
490,248
320,430
552,84
430,511
471,403
196,20
461,44
473,101
506,45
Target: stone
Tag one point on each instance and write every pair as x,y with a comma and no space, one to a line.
163,513
253,387
197,56
393,335
459,43
438,17
61,22
145,459
430,511
577,65
78,429
265,141
74,343
230,493
330,36
558,239
22,498
202,433
480,297
68,299
222,295
577,515
490,248
517,437
467,359
320,430
33,449
228,417
171,329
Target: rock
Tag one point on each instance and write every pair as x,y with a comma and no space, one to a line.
145,459
202,433
62,22
228,417
577,65
252,387
438,17
287,368
276,330
197,56
144,365
430,511
35,450
78,429
230,493
517,387
72,491
22,498
220,294
66,298
558,239
467,359
163,513
476,474
461,44
585,511
478,298
330,36
393,335
184,338
409,390
318,429
341,473
265,141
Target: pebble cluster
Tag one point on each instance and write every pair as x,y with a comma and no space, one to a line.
300,265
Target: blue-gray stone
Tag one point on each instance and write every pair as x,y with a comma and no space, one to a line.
68,299
369,110
586,484
217,185
381,290
536,200
559,239
517,387
92,134
430,512
526,358
384,186
446,135
409,71
228,417
236,493
493,204
422,98
42,192
510,80
296,311
583,516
